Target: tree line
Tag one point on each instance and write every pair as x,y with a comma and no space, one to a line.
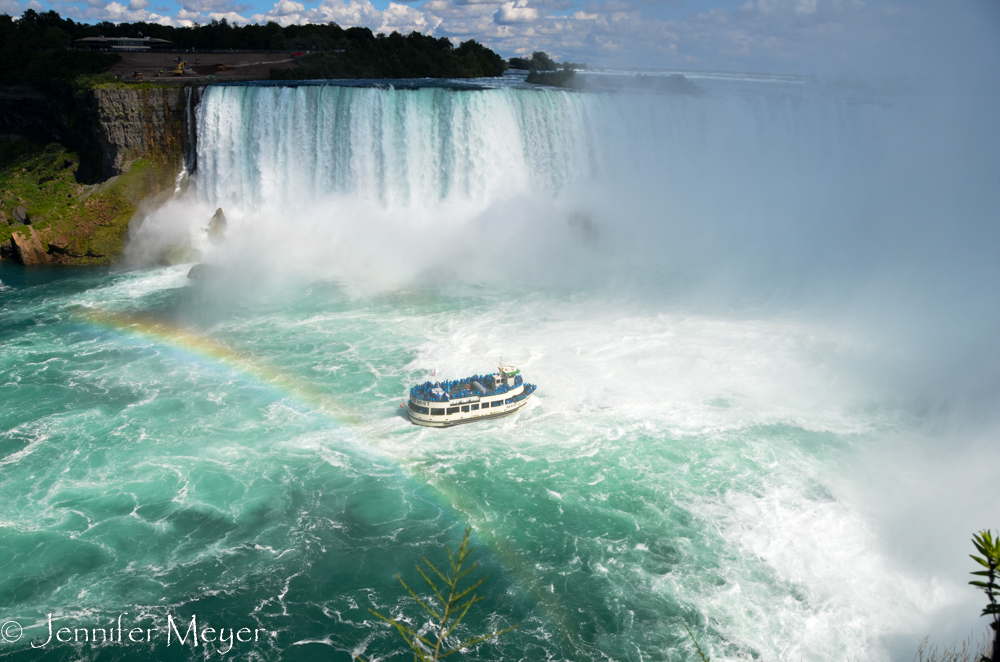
360,54
36,49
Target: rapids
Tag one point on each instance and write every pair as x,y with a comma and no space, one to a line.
736,427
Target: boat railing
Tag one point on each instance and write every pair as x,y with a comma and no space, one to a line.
460,388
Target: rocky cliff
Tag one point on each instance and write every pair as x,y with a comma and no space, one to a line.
137,122
48,216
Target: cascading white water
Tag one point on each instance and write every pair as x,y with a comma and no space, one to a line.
729,179
759,280
268,145
274,145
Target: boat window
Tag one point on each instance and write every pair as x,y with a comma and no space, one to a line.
437,412
509,400
465,408
497,403
418,409
453,410
475,407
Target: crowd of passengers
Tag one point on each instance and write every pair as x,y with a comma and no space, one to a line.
459,388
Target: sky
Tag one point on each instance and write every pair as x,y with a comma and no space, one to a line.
774,36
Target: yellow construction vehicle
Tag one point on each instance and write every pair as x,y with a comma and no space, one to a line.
222,67
180,68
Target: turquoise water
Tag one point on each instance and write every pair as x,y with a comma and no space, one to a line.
144,476
232,447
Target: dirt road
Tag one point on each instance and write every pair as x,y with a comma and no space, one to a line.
239,65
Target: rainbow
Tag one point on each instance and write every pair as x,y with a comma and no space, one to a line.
199,347
205,348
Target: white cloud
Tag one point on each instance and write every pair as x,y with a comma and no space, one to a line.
189,17
220,7
117,13
515,12
402,19
288,8
350,13
809,36
806,7
230,16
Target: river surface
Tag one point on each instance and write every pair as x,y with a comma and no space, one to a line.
723,394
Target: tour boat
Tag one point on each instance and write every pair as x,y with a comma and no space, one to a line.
476,398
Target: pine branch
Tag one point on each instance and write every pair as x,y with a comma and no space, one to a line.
454,608
701,653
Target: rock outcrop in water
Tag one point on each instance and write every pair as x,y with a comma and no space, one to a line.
27,247
217,227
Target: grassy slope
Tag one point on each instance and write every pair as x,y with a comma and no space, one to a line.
92,219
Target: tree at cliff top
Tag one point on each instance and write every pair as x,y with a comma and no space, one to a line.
360,54
540,61
34,52
35,49
563,78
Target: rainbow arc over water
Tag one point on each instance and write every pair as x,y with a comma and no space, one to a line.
198,347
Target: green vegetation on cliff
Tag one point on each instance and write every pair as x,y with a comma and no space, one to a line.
69,222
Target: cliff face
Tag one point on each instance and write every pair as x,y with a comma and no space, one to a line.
133,123
140,131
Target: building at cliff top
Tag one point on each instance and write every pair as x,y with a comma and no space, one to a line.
103,43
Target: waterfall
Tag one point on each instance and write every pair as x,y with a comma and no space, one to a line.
192,100
264,146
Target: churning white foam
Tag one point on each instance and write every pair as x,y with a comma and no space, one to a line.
762,261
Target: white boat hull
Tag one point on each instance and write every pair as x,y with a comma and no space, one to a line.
424,415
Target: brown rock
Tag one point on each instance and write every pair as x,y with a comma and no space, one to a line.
28,248
59,245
